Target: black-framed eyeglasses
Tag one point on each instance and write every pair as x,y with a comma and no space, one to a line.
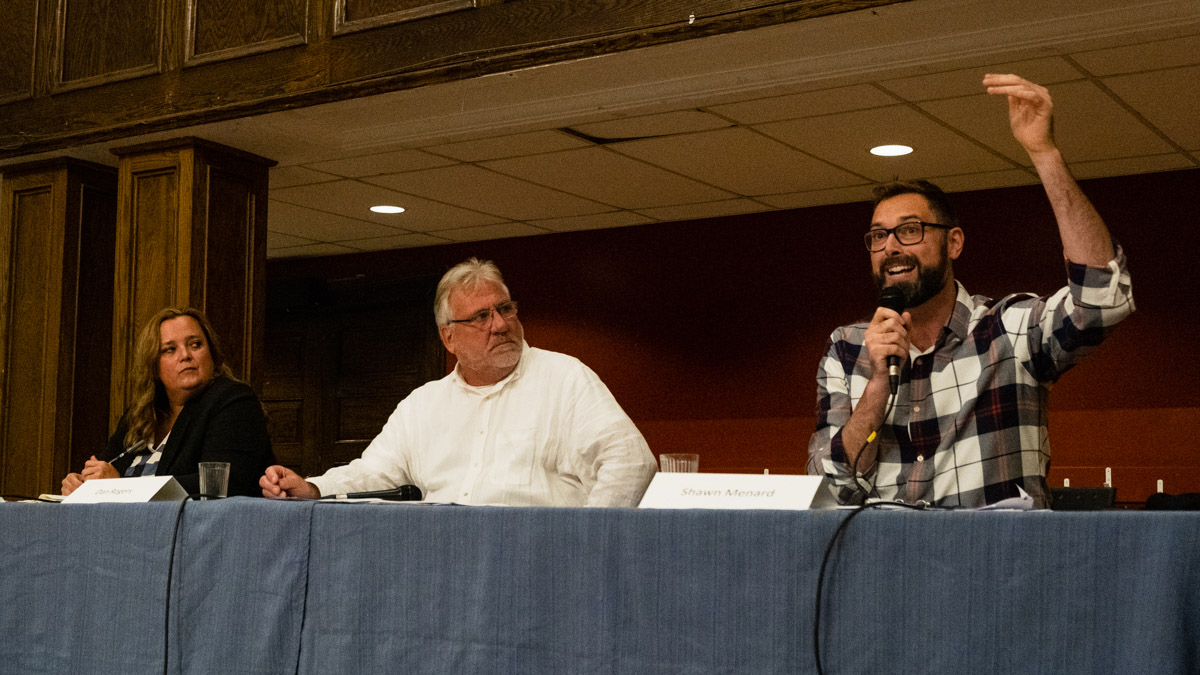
481,319
912,232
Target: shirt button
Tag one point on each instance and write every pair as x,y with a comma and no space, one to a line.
920,458
465,494
916,408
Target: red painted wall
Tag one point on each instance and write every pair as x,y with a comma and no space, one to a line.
709,332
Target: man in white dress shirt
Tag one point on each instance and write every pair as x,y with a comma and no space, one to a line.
512,425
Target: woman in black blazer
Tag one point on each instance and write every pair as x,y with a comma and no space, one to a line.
188,409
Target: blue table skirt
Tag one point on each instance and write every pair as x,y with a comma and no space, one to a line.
84,590
263,586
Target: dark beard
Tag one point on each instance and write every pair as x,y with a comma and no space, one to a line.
930,281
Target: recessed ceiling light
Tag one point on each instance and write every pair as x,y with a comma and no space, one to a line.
383,208
890,150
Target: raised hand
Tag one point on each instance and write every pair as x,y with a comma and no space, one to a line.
1030,111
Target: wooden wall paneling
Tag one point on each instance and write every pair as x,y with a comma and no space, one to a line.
231,258
147,256
535,32
102,41
57,215
498,37
18,32
93,327
286,367
382,352
27,406
192,233
227,29
355,15
341,354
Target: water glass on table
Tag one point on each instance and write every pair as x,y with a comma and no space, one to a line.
214,480
679,462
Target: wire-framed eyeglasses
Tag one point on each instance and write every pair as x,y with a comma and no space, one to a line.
483,318
911,232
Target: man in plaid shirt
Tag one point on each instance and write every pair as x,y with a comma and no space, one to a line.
968,424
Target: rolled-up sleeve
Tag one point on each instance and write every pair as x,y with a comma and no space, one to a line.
826,454
1066,326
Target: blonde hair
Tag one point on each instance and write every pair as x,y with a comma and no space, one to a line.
150,403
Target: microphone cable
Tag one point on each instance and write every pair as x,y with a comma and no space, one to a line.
866,492
170,576
837,534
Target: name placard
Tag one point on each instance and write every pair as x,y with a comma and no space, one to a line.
143,489
736,491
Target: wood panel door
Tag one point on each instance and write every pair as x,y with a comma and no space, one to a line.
339,357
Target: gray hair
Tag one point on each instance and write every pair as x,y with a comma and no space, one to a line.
465,276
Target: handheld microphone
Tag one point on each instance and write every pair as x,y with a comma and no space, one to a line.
893,299
403,493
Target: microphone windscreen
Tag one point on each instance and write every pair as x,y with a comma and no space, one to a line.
893,299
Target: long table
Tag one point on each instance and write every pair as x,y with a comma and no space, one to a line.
257,586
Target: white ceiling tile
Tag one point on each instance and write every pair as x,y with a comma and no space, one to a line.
593,222
987,180
299,221
607,177
290,176
355,197
310,250
968,81
1088,124
489,192
349,197
1131,165
797,200
281,240
384,162
1156,55
501,231
808,104
846,139
727,207
514,145
737,160
1168,99
396,241
678,122
287,137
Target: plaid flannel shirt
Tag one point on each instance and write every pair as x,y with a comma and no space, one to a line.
969,425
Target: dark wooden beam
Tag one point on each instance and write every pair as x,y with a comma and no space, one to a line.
217,60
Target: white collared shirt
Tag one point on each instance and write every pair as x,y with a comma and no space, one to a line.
549,434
